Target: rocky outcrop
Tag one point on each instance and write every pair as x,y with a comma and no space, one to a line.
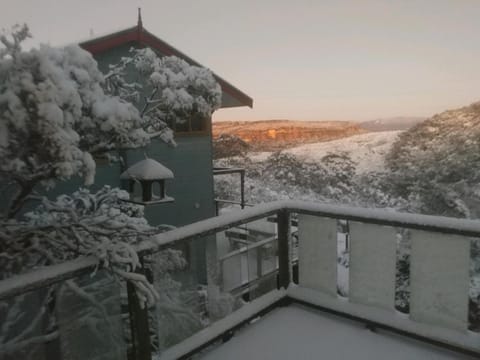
270,135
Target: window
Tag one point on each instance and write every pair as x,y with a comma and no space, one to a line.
195,125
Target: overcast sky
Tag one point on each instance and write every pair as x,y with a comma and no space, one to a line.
306,60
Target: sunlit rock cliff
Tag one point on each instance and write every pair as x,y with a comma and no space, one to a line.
278,134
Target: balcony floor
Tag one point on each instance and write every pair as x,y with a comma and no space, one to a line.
299,332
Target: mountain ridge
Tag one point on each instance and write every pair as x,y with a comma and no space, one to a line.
280,134
392,124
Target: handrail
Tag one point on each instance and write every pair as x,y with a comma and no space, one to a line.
389,217
50,275
43,277
247,248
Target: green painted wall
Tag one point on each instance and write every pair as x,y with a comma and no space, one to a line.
191,163
192,187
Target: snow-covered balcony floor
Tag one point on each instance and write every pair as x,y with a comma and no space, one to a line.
299,332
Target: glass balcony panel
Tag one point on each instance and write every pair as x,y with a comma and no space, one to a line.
77,319
179,277
27,326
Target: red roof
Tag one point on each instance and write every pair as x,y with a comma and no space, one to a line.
140,35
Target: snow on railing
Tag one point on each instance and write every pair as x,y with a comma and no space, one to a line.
71,269
439,274
439,266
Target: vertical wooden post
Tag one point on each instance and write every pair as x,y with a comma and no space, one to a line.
283,223
140,330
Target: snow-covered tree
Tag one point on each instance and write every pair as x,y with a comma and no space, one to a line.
177,93
54,119
283,175
55,116
226,145
435,164
58,112
57,102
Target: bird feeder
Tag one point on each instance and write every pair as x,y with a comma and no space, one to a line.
147,173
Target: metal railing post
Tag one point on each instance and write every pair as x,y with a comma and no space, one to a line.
283,221
139,326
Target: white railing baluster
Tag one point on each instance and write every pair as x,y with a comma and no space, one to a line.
439,276
372,264
317,253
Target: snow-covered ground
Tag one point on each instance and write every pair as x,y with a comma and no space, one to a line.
367,150
298,332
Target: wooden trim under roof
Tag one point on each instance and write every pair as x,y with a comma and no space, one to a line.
142,36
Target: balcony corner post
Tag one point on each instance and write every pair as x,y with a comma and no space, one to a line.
283,221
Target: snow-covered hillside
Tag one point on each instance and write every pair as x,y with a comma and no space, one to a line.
366,150
431,168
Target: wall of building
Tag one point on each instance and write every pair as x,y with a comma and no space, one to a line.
190,161
192,187
191,164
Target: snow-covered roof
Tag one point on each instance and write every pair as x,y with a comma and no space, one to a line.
147,169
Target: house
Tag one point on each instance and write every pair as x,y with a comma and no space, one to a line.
190,192
306,317
191,160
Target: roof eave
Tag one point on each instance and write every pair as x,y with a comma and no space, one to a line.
144,37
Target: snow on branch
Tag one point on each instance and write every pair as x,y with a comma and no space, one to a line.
177,90
55,115
83,224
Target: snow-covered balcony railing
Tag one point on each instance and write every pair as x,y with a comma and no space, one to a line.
439,277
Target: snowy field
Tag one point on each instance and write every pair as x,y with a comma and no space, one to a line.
301,333
367,150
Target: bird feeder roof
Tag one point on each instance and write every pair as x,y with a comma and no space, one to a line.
147,169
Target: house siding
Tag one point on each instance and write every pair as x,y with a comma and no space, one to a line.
190,161
191,164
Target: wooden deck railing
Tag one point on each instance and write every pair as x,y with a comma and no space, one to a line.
439,270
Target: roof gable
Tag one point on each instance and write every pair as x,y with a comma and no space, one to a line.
140,35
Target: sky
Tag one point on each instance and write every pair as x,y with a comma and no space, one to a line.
299,60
